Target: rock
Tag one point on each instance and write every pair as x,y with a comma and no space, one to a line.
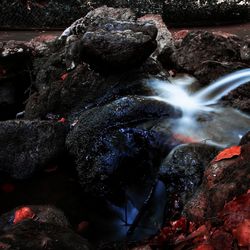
27,146
200,51
239,98
209,71
31,234
41,214
117,45
245,139
109,39
164,37
245,51
97,18
103,142
222,181
84,88
182,170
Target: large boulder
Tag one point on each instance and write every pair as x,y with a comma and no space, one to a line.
118,45
110,153
109,39
28,146
206,55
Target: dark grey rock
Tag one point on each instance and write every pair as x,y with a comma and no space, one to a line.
27,146
245,139
182,170
108,152
203,51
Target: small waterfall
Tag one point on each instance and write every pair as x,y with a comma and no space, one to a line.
215,91
203,118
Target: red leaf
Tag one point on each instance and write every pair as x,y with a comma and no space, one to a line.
62,120
22,214
64,76
228,153
242,233
179,225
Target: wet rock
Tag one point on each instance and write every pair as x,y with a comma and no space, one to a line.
200,50
31,234
83,88
239,98
245,139
222,181
39,213
209,71
27,146
109,156
182,170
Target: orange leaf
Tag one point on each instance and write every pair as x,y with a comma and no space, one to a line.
228,153
22,214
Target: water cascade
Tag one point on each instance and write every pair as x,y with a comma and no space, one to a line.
204,118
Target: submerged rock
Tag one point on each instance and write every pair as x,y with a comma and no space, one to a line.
223,180
28,146
182,170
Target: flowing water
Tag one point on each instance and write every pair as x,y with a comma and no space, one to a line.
203,117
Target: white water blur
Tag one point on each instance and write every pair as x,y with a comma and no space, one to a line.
203,118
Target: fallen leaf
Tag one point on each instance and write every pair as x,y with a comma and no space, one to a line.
22,214
62,120
64,76
228,153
